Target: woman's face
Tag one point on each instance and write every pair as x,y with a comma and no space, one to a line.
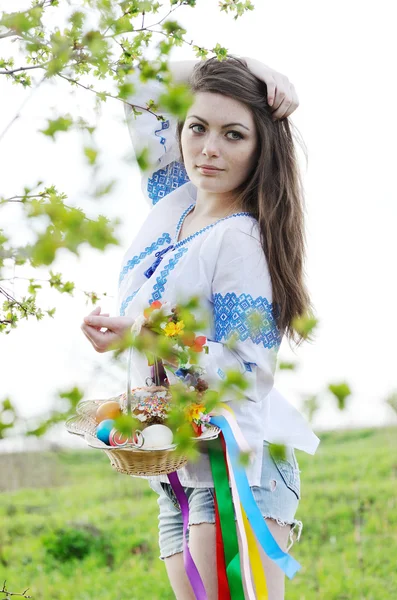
218,131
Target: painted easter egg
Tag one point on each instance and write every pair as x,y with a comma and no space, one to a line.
108,410
103,430
157,436
116,438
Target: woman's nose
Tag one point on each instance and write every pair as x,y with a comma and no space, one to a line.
211,149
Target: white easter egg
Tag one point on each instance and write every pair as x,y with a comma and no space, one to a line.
156,436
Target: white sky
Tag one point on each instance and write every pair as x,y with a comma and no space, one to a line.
340,57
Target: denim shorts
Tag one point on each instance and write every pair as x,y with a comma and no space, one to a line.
277,498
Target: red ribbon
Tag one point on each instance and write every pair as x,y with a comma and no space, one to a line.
223,584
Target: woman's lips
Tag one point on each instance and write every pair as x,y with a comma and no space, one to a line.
206,170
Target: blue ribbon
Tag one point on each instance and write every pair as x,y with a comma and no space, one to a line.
286,562
149,272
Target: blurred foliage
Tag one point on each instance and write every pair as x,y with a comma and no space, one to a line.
75,541
341,391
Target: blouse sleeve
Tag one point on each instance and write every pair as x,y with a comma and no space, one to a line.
241,286
166,171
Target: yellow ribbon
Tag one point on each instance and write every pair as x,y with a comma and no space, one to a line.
257,569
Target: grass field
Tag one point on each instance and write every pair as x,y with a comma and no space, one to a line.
69,499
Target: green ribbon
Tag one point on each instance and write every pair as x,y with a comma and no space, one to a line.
226,517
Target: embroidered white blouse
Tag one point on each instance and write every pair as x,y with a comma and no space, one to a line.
225,265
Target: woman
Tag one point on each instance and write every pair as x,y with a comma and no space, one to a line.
226,223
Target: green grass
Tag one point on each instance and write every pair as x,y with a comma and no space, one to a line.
348,547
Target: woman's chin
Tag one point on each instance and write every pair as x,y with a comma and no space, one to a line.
207,184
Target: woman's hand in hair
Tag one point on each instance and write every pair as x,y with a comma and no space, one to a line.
281,95
116,328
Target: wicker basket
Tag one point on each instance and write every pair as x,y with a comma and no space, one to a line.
131,459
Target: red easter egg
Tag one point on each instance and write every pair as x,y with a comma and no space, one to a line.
116,438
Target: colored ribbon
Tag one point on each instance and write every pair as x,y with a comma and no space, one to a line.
191,570
250,557
286,563
223,584
249,548
244,561
226,517
256,562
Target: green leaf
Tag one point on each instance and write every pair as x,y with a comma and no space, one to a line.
104,188
60,124
91,154
278,451
125,90
244,458
341,391
22,22
305,324
287,366
74,396
126,424
142,159
177,100
43,251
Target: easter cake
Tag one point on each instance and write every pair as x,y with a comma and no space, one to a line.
148,404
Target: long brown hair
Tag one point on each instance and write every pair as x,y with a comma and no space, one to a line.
273,191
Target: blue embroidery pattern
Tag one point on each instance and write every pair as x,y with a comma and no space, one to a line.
248,366
126,302
164,125
221,374
231,315
161,280
135,260
187,211
166,180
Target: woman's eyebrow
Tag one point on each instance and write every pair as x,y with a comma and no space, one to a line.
223,126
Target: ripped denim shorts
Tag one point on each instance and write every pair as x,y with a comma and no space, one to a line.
277,498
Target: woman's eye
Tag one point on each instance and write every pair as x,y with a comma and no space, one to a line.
240,137
191,126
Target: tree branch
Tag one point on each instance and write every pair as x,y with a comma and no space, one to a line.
8,34
106,94
5,591
11,71
21,199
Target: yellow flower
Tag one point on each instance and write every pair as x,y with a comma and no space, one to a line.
194,411
172,328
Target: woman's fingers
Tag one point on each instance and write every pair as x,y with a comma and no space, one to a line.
281,94
100,321
89,338
100,340
271,90
115,329
96,313
118,325
286,100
